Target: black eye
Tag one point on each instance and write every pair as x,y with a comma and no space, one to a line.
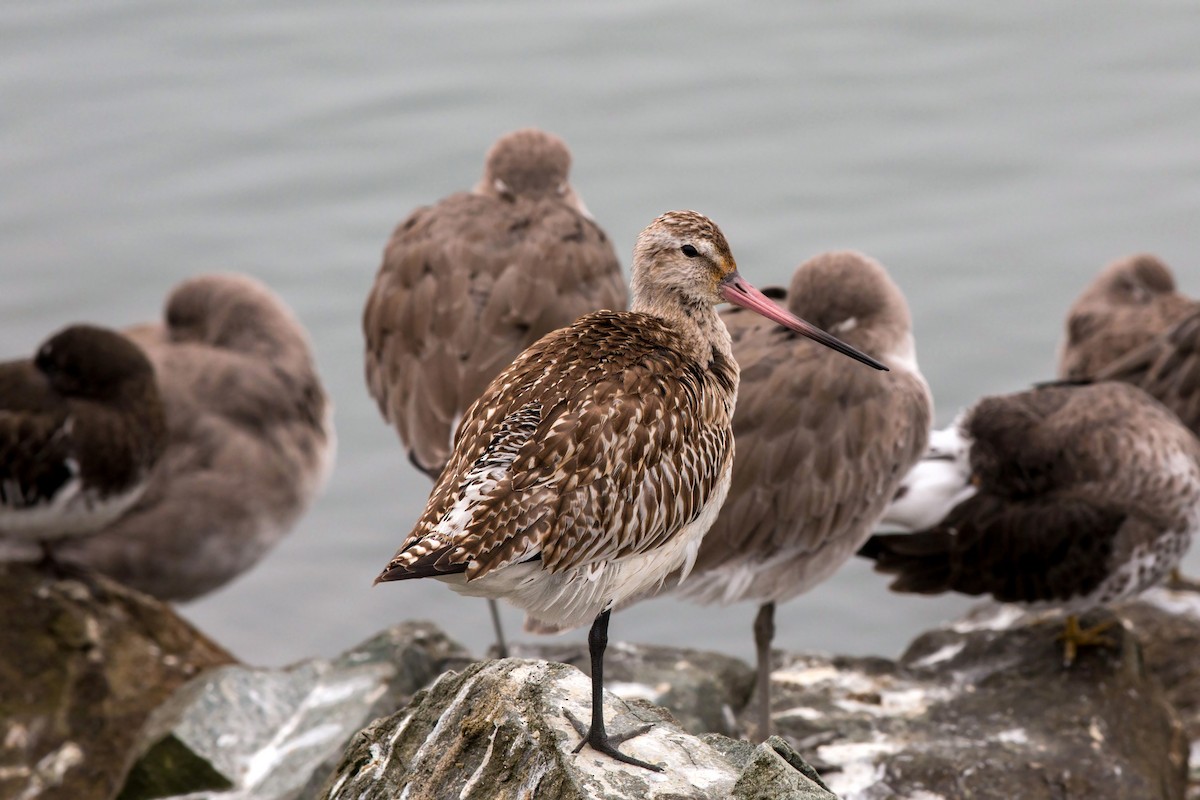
689,251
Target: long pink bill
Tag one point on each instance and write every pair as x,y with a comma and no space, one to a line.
738,291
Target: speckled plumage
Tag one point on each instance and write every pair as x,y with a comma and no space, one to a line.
1084,495
591,468
598,444
470,282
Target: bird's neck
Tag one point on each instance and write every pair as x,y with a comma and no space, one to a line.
699,326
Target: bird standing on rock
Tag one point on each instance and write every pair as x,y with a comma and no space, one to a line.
1073,496
470,282
81,427
590,469
820,448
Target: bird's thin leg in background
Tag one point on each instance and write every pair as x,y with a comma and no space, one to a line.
764,634
501,645
594,734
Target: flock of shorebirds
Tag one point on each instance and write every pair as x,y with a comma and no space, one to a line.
583,456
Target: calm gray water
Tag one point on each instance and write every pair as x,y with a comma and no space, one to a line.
994,157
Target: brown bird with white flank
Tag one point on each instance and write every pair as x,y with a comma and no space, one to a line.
591,468
820,448
250,442
81,427
1133,325
470,282
1075,496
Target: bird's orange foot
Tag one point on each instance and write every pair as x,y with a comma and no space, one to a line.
1073,637
601,742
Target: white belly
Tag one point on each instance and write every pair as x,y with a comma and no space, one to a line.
574,597
72,511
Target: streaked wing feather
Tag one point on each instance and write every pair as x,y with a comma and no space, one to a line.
591,481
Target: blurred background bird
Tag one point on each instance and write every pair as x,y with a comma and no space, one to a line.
470,282
1075,497
821,446
591,468
249,442
81,429
1132,324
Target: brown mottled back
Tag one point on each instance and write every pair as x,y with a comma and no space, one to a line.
615,438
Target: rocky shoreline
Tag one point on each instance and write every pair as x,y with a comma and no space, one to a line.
109,694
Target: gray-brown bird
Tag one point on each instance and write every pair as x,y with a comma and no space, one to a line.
1133,325
820,448
470,282
1072,496
590,469
250,442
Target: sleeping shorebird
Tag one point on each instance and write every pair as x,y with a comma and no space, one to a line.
1133,325
1075,496
469,283
820,448
81,426
590,469
249,442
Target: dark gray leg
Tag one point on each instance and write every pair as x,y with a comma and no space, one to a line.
594,735
764,634
501,645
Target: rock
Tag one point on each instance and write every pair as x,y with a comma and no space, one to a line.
496,730
82,664
1167,623
704,691
275,734
985,709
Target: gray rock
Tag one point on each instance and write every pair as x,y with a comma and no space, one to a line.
496,730
704,691
82,665
275,734
985,709
1167,623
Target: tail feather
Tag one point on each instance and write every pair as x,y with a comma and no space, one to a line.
922,562
422,562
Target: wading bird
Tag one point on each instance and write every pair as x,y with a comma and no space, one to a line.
590,468
470,282
820,448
